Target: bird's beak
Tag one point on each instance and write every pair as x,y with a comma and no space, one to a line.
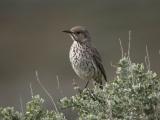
67,31
70,33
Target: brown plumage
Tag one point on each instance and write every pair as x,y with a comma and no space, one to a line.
85,59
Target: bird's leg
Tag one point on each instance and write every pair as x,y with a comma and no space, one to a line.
87,84
98,83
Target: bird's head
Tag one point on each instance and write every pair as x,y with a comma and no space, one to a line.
79,34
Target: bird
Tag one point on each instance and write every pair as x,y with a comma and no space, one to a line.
84,57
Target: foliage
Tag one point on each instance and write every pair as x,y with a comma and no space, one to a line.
34,111
9,113
134,94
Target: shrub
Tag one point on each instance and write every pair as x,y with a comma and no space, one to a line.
134,94
34,111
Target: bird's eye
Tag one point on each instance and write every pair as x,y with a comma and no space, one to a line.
78,33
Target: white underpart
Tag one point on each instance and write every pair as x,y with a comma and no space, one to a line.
81,62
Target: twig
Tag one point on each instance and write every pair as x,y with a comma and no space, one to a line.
121,47
57,81
76,87
145,59
148,59
129,43
45,90
21,104
58,85
112,65
30,85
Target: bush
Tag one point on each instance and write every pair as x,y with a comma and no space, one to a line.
34,111
134,94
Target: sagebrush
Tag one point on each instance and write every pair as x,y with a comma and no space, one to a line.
134,94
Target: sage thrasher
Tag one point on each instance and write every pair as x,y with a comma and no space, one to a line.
85,59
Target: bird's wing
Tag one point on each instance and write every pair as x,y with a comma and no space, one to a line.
98,61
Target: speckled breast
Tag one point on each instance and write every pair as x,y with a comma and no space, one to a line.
81,61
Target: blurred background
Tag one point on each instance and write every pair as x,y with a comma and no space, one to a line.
31,39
